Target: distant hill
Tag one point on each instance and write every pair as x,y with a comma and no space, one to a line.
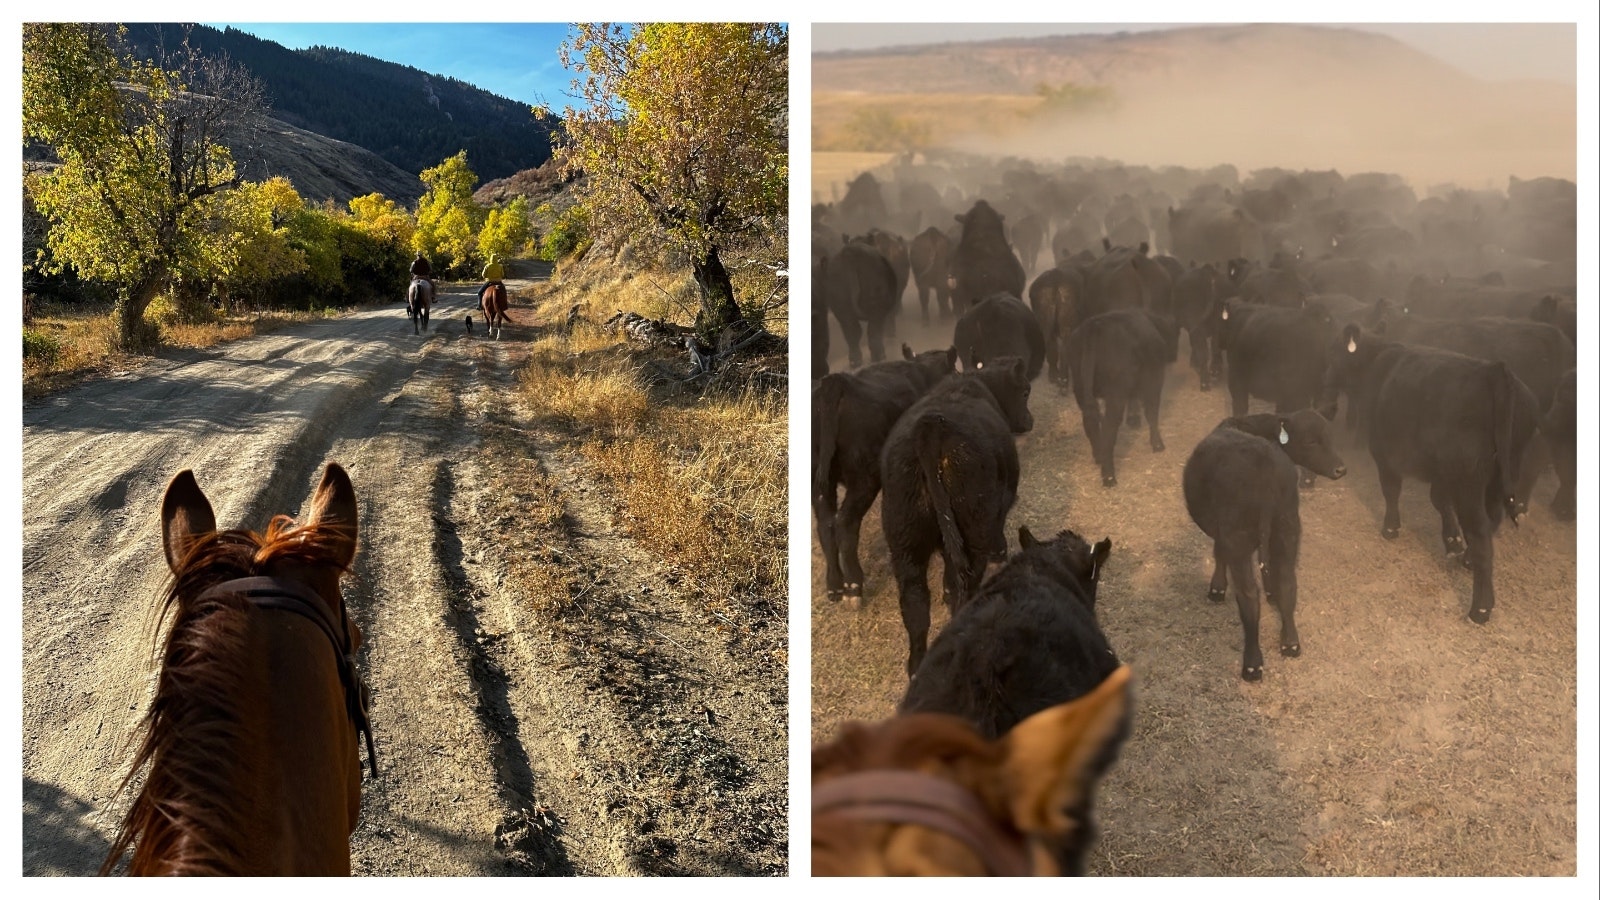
410,118
1297,96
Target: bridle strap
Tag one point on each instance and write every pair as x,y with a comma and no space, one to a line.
916,798
267,592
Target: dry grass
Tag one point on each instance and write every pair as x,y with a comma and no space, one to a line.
702,480
86,336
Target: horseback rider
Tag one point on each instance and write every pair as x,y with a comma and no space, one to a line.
493,274
421,269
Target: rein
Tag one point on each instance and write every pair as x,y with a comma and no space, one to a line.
291,596
915,798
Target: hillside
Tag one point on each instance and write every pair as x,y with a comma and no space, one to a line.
411,118
1300,96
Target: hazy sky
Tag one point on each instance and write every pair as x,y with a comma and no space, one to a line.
513,60
1489,51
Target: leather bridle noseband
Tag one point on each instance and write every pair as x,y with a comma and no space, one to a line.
267,592
904,797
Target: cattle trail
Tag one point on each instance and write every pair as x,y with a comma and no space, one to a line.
1405,740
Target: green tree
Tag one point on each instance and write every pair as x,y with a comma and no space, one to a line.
142,157
447,219
683,128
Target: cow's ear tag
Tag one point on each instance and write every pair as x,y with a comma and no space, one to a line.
1224,314
1283,435
1352,346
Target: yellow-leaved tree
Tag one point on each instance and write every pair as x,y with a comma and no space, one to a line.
142,158
447,218
684,129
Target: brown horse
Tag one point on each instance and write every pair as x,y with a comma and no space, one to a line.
419,299
250,744
925,794
495,305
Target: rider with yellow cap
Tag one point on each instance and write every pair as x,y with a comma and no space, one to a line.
493,274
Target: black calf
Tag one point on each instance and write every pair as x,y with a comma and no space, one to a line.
950,475
1239,487
1119,356
851,415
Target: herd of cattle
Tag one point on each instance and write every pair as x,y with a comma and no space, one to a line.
1444,327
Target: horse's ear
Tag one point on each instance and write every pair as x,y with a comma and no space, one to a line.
185,516
334,504
1053,757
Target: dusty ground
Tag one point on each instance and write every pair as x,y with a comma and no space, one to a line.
1405,741
632,731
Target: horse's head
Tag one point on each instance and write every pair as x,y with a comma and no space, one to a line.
315,554
1018,805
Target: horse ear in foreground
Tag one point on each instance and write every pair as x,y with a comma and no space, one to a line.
924,794
250,746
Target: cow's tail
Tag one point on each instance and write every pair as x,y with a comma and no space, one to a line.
928,435
1503,391
825,425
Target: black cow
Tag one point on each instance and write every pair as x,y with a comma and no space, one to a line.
1119,356
1000,325
1537,353
930,269
983,262
1194,296
851,415
950,474
1057,299
859,286
1026,642
1239,487
1458,423
1276,354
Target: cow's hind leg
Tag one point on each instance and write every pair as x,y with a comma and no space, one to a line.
825,507
911,574
1389,482
1116,405
1218,591
858,499
1449,526
875,329
1150,396
1479,533
1280,582
1249,599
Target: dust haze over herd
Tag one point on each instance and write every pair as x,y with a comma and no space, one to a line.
1290,96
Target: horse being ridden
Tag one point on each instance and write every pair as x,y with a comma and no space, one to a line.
419,300
250,745
495,305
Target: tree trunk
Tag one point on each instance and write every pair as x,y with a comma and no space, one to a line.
133,333
717,309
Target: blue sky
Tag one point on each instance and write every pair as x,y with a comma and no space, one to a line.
518,61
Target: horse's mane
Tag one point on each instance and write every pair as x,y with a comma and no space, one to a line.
924,741
180,817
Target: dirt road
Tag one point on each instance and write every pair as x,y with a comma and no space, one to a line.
1405,741
629,734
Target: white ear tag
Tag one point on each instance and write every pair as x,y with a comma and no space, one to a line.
1352,347
1283,435
1224,315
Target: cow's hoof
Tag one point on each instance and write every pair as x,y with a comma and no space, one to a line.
1290,650
1157,445
853,601
835,595
1455,545
1479,615
1308,482
1217,595
1391,533
1108,481
1250,673
1205,387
